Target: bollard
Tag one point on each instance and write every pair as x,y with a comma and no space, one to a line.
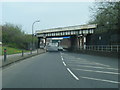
37,51
22,53
5,54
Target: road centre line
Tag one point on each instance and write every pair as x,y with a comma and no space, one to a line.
70,70
73,74
97,71
96,67
64,63
100,79
62,58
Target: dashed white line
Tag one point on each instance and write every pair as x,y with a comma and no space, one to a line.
62,58
99,79
64,63
73,74
97,71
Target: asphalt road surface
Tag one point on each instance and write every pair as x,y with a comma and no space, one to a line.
62,70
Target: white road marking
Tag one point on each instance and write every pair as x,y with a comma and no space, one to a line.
64,63
99,79
97,71
101,64
73,74
87,63
96,67
62,58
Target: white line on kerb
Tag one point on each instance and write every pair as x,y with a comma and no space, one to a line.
73,74
99,79
64,63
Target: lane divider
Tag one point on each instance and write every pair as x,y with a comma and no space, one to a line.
73,74
64,63
69,69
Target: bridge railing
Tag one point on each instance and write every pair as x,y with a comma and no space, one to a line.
106,48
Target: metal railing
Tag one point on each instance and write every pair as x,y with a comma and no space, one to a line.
107,48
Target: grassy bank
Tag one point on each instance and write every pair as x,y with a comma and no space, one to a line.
11,50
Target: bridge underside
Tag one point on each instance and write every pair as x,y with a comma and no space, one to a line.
76,41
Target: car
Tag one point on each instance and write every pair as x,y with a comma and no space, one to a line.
60,48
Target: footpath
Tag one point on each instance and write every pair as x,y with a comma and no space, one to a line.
17,57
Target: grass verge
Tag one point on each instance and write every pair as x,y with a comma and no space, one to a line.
11,50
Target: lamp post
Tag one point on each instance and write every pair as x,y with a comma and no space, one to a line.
33,33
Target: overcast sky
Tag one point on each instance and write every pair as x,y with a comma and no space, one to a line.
50,14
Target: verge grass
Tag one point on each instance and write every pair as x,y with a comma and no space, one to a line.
11,50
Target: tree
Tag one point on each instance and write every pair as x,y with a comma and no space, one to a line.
106,15
13,36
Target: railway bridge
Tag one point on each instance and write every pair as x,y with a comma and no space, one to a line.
78,34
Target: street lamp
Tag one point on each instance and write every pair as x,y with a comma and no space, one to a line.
33,33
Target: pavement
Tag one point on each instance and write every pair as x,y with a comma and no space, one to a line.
16,57
62,70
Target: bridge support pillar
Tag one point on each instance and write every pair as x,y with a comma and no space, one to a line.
45,41
82,42
74,43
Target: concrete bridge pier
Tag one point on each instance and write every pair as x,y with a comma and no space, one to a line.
82,42
42,41
78,42
74,43
45,40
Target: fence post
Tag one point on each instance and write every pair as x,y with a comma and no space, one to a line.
5,54
22,53
111,47
117,48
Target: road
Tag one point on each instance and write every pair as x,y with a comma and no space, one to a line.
62,70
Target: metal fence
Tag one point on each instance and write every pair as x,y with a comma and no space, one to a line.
107,48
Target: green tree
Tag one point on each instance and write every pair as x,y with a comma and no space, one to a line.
106,15
13,36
